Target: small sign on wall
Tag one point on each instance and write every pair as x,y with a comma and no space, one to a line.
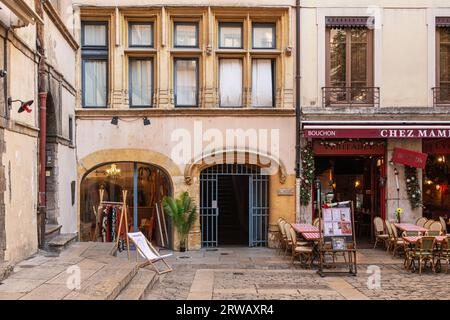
286,192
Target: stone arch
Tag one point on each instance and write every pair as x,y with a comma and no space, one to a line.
240,156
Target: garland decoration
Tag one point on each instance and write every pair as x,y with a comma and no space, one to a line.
413,187
364,142
307,175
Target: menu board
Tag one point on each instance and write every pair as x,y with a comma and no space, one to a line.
337,221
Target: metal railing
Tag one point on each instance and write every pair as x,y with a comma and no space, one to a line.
351,97
441,96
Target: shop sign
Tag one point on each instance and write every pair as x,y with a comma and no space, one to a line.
348,148
286,192
410,158
322,133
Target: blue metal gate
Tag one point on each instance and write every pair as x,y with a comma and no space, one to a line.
258,203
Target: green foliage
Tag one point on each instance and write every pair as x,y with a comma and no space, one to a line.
307,174
183,212
413,187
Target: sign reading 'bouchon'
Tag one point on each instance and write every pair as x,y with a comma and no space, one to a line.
376,133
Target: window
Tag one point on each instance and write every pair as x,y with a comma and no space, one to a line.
71,131
230,82
186,34
141,82
94,53
443,65
263,83
349,65
264,36
140,35
230,35
186,82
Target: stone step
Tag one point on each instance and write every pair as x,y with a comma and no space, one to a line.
137,288
107,283
61,242
52,229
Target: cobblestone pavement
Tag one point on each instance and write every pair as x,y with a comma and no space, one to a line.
260,273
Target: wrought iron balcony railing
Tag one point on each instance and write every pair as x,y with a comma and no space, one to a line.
351,96
441,96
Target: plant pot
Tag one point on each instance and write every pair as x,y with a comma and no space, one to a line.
182,246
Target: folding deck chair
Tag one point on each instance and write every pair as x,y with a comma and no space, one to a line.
148,252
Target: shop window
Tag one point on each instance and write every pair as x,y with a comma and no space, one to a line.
263,83
186,82
230,82
230,35
264,36
141,82
186,34
443,65
140,35
94,53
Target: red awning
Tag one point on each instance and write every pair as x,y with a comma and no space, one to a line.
410,158
417,131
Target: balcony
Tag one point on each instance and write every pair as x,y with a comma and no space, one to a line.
441,96
351,97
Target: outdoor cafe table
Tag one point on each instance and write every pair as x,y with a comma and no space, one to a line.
311,236
410,227
304,228
413,240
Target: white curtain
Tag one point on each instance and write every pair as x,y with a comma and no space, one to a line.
263,37
95,83
141,83
186,82
94,35
230,82
230,37
262,83
141,35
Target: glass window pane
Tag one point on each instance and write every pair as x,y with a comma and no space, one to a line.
95,83
338,58
186,82
141,82
95,35
141,35
186,35
230,82
230,36
262,83
263,36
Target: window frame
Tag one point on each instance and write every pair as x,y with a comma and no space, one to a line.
186,23
94,53
197,80
271,25
242,82
231,24
130,34
274,81
438,67
130,82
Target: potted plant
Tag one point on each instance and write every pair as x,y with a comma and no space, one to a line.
183,212
398,214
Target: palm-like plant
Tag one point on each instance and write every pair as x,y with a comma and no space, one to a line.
183,212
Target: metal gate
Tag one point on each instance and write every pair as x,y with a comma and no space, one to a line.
258,203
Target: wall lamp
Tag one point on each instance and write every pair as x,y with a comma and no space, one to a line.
147,121
24,106
115,121
3,73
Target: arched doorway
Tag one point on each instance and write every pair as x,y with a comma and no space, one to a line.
234,205
146,184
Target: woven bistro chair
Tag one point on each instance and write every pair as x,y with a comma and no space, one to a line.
435,226
425,252
444,225
303,252
408,248
391,238
433,233
421,221
380,233
444,254
283,238
397,242
316,222
428,224
287,228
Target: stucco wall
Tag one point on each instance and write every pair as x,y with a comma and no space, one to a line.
20,196
67,173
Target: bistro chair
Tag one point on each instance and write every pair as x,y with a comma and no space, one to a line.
390,235
283,237
425,252
428,224
301,251
380,233
435,226
316,222
444,225
444,254
396,242
421,221
411,234
433,233
289,241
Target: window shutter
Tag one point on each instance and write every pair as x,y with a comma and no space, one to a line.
443,22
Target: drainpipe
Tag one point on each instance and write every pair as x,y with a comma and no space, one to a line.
298,117
42,87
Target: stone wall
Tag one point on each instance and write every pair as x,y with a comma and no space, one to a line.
2,197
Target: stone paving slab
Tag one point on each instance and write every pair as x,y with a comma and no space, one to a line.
47,292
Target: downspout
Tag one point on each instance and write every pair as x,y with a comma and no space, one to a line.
42,89
298,117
